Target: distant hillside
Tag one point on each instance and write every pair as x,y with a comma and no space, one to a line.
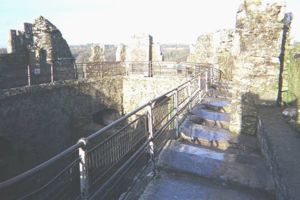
171,52
175,52
82,52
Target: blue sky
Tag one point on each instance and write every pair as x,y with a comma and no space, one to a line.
114,21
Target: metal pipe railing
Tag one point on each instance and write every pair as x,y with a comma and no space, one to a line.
43,165
86,146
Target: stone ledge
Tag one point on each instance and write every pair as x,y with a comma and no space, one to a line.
5,93
280,145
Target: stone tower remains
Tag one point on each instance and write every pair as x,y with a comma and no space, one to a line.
38,45
259,28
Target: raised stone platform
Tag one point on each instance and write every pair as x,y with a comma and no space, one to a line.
281,146
249,171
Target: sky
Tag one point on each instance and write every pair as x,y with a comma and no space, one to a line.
114,21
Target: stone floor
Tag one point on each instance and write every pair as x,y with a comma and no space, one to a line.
174,186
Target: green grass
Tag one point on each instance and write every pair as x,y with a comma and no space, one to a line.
293,66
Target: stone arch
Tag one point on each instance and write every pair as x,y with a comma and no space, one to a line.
106,116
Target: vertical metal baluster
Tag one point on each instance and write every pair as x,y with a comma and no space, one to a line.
28,75
150,136
105,154
52,75
109,152
83,169
97,157
176,112
75,70
211,75
119,149
112,147
101,158
206,81
199,87
190,95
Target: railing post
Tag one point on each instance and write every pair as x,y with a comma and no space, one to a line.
83,170
206,81
176,112
101,69
52,75
190,95
28,76
199,86
75,70
84,68
150,130
211,75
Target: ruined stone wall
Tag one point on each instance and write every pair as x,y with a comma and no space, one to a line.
103,53
97,54
13,64
138,48
39,45
216,48
142,48
42,120
12,74
47,37
256,72
157,55
121,53
103,69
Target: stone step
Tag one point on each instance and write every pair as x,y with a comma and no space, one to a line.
248,171
217,137
200,111
219,93
216,102
225,86
207,122
182,187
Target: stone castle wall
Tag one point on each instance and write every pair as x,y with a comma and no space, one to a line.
103,53
249,56
140,48
256,69
43,120
218,49
38,45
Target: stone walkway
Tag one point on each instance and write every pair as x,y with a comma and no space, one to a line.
281,146
208,162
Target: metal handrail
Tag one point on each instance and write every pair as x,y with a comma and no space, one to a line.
83,143
39,167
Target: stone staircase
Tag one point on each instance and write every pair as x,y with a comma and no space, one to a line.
209,162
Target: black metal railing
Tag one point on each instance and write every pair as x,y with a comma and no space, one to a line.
18,76
93,167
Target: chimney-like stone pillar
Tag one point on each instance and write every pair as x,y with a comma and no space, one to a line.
256,72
